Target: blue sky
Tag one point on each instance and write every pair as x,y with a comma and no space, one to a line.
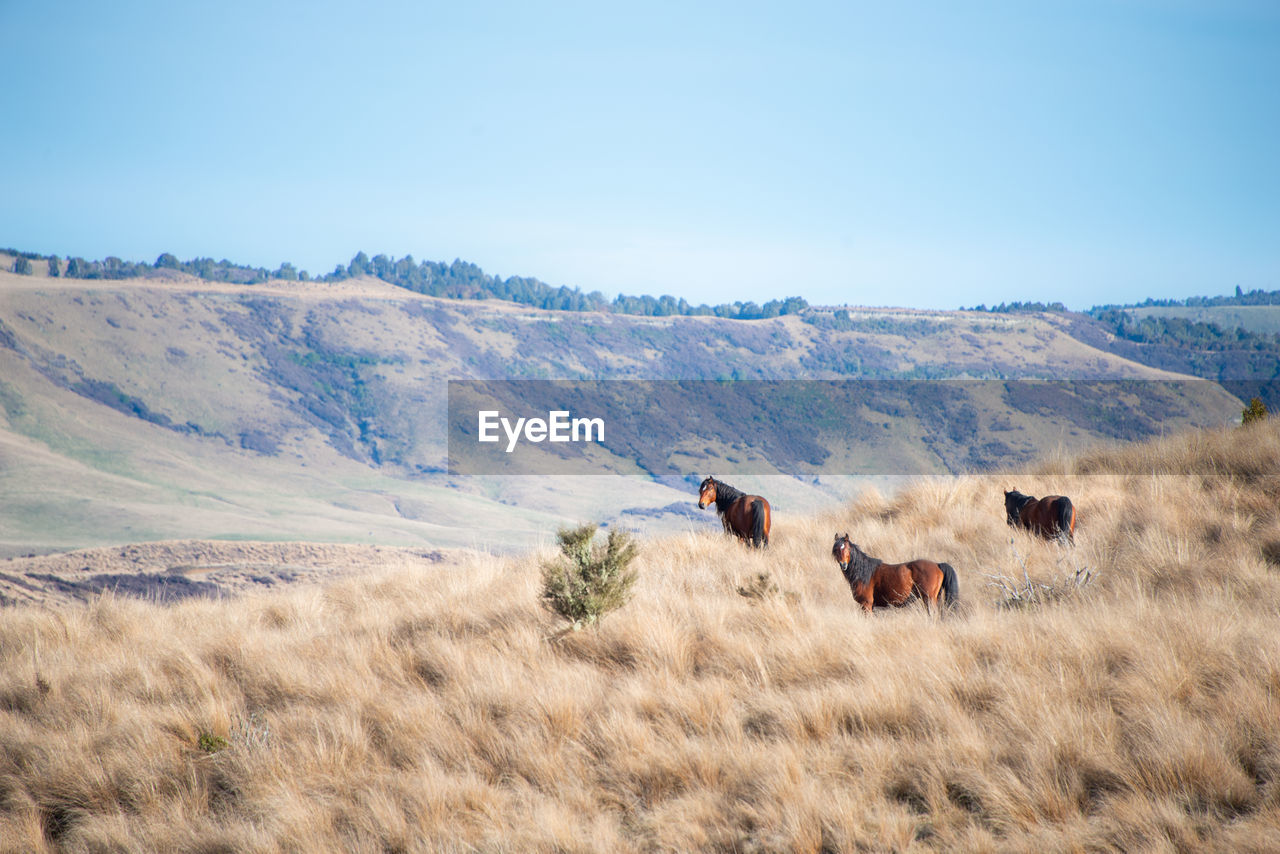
919,154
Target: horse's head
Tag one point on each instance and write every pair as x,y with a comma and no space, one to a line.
842,551
1013,502
707,493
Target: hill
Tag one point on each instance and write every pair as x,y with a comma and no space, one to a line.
171,407
429,709
1263,319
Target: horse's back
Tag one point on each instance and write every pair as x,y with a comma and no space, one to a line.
1051,516
895,582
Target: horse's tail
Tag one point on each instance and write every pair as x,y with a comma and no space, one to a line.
1066,519
950,584
759,538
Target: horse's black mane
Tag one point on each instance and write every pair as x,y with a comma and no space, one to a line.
725,496
1014,501
861,564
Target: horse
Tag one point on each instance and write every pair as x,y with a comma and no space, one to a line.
874,582
745,516
1052,517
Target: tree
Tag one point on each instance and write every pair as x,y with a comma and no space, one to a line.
22,265
359,265
588,580
168,262
1255,411
54,269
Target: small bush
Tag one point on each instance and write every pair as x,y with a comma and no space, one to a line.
588,580
1255,411
211,743
763,587
760,587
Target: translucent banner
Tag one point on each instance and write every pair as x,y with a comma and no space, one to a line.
799,427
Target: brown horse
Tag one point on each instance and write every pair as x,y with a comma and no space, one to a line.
744,516
1052,517
875,582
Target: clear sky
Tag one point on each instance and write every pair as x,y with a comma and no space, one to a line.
900,153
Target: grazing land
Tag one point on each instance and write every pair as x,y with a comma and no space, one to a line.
173,408
1120,695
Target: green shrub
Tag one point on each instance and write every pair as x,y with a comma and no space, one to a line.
588,580
211,743
1255,411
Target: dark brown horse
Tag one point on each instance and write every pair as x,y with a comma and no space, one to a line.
1052,517
875,582
744,516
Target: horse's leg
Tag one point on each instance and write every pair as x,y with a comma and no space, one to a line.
928,592
924,597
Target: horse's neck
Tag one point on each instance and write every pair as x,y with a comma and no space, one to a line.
1024,502
860,569
725,501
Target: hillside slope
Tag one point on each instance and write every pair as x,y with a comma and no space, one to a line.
1254,318
439,709
176,408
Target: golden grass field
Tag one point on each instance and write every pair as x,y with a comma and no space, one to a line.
442,710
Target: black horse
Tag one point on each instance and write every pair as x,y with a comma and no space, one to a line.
1052,517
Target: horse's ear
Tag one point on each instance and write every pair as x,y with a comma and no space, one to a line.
846,535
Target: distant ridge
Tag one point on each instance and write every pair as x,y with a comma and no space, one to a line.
456,280
1247,359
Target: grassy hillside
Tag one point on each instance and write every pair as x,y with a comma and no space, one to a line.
171,407
1254,318
439,710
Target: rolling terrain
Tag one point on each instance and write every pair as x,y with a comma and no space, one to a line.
1254,318
1115,696
176,408
249,609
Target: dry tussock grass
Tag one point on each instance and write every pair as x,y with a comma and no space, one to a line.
440,712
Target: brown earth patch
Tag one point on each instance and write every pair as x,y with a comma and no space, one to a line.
179,569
